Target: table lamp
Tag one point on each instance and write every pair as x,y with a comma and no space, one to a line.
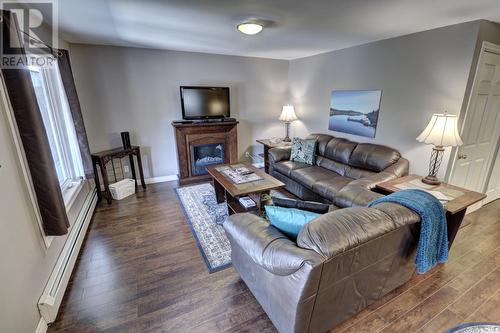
441,132
287,116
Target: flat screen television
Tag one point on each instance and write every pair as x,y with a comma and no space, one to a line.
204,102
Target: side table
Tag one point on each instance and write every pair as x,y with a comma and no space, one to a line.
268,144
102,158
460,199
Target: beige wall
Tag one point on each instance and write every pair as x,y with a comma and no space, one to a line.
137,90
420,74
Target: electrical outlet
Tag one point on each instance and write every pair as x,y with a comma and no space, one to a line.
126,168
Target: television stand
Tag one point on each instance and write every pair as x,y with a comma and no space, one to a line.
205,121
215,120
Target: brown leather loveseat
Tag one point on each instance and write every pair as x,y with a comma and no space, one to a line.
341,261
344,172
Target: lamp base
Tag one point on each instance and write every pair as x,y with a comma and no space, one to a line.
435,162
431,180
287,132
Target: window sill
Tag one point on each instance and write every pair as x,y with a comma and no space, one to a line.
71,192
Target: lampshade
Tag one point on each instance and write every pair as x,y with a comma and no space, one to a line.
441,131
288,114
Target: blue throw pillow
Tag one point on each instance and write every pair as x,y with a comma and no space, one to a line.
289,220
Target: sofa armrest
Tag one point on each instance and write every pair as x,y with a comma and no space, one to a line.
358,193
267,246
279,154
344,229
399,169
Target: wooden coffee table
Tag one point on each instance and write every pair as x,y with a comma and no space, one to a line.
226,190
461,198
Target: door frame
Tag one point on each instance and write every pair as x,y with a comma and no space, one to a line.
485,47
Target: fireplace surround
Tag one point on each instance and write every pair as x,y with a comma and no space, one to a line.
202,144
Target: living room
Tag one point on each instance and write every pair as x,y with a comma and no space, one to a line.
113,226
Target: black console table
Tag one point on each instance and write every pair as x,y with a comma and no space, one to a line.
103,157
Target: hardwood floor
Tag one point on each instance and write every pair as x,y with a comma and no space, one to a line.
141,271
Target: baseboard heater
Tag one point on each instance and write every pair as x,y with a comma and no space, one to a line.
49,302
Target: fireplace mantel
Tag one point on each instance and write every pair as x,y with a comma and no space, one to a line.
190,135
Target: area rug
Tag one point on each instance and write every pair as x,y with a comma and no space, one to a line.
475,328
205,218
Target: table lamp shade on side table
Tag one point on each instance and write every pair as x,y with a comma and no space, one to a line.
287,116
441,132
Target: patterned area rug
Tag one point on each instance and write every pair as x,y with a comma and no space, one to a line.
475,328
205,218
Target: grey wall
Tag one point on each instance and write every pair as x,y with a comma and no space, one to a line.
420,74
138,90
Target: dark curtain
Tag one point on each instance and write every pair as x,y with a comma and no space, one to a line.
33,136
76,112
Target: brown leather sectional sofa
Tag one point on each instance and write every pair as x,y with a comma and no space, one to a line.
344,172
342,261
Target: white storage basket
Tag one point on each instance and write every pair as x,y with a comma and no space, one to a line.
122,189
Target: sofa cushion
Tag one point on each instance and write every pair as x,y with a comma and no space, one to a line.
330,187
339,149
311,175
373,157
286,167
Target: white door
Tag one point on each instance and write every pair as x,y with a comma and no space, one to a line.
493,191
480,128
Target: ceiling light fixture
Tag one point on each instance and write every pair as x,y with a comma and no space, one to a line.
249,28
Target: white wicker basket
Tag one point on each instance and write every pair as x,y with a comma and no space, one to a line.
122,189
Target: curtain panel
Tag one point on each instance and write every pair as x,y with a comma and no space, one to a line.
33,136
76,112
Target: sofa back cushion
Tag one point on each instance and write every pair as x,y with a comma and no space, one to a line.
373,157
357,173
337,167
352,159
322,140
339,150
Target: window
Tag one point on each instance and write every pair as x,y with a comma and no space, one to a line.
60,129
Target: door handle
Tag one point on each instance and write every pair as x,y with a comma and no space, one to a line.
462,156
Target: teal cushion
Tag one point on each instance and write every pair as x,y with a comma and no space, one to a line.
303,150
289,220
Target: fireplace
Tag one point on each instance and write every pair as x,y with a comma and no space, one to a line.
202,144
205,155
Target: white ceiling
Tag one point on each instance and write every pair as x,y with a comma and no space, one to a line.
302,27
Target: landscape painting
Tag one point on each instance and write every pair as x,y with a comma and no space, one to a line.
355,111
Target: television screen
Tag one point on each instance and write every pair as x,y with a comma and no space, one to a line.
204,102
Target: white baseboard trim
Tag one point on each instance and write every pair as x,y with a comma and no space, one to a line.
154,180
51,298
42,326
162,179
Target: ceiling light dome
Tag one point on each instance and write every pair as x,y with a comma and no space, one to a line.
249,28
